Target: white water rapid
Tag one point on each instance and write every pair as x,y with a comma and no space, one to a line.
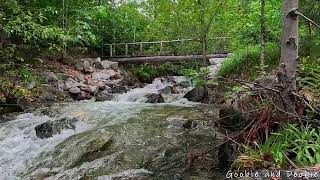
140,134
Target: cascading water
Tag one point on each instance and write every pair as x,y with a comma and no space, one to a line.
146,139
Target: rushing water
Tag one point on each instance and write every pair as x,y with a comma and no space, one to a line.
147,140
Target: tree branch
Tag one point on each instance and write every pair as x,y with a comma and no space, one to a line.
308,19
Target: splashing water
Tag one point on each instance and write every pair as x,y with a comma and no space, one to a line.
140,135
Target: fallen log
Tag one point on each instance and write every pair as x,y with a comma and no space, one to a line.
164,59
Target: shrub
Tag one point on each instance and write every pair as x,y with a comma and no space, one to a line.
147,72
301,145
245,62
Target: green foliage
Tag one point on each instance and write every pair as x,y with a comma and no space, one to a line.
245,62
198,78
7,53
147,72
310,75
246,29
9,89
302,145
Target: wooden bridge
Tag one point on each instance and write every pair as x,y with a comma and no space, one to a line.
164,51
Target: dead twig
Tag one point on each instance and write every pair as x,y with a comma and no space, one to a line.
290,162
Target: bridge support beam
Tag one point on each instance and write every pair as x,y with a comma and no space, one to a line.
164,59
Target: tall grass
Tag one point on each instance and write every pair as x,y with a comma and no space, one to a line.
245,63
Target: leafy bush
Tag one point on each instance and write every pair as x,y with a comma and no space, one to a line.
301,145
147,72
245,62
198,78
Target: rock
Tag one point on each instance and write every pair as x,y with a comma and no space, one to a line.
111,73
104,96
169,89
30,85
189,124
50,128
198,94
80,78
154,98
82,96
79,66
110,65
50,77
98,59
119,89
166,90
62,76
101,85
130,174
48,98
227,154
67,85
106,65
84,65
90,89
174,89
74,90
99,76
184,84
87,67
50,94
24,103
231,118
77,150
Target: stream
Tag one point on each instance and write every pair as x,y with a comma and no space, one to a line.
136,140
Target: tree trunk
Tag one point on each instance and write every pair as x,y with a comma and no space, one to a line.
263,36
289,38
289,57
203,33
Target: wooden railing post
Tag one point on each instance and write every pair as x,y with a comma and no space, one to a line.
141,49
111,50
161,48
126,51
102,49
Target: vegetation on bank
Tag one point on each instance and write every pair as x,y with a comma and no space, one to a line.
57,28
244,63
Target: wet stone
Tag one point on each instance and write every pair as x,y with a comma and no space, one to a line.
50,128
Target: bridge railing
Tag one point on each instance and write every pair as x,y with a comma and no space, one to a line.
165,47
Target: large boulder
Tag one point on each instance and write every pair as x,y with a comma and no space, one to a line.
198,94
50,128
76,150
154,98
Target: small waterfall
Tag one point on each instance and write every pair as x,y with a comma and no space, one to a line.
138,94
